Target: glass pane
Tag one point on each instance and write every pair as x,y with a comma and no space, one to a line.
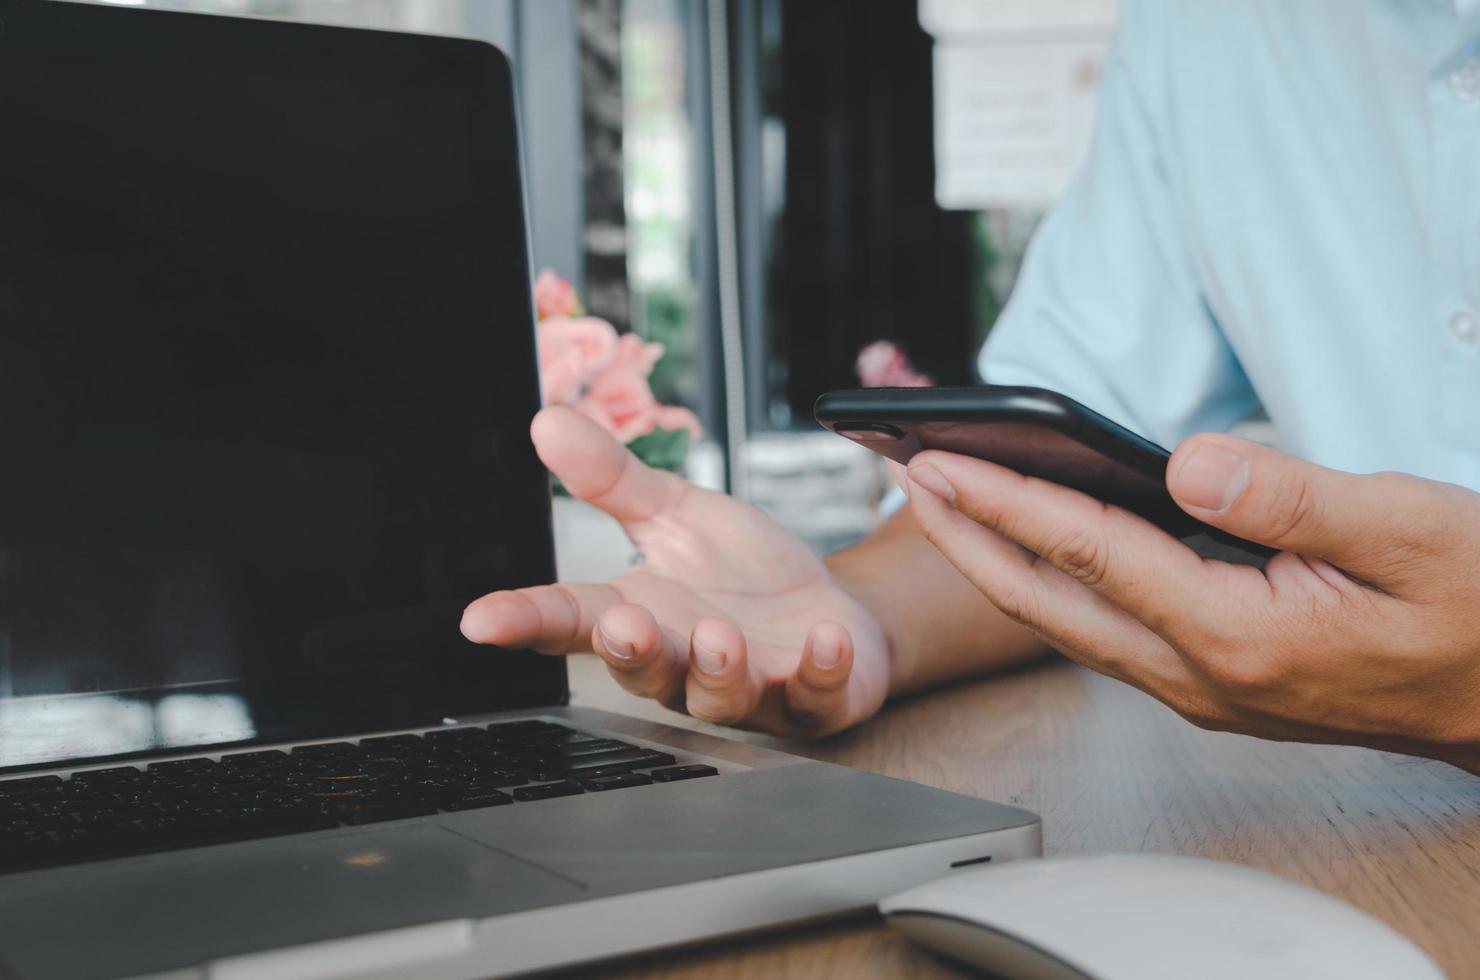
660,176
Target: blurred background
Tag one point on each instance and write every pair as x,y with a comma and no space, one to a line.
768,186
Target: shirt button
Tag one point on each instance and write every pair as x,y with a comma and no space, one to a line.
1464,327
1465,81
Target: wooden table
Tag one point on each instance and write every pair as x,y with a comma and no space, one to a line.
1110,769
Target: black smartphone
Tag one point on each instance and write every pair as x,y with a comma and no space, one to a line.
1038,433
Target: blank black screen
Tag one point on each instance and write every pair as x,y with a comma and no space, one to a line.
266,376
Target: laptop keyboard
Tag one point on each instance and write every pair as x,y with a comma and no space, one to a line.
104,813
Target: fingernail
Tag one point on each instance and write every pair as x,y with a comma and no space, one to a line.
1212,478
933,480
615,645
826,653
470,625
707,660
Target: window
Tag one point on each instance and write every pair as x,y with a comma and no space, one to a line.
661,177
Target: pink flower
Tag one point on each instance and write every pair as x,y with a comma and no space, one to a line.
621,401
554,296
585,364
883,365
571,353
562,378
675,417
635,354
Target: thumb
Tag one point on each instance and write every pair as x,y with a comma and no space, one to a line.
598,469
1266,496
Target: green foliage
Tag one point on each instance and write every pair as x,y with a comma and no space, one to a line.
668,319
662,449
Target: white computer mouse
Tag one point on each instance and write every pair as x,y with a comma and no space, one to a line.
1148,917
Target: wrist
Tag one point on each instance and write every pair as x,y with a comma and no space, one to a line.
859,578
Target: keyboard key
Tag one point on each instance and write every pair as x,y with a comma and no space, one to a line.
594,772
394,755
497,778
178,766
591,747
548,791
381,742
276,799
620,781
94,777
30,785
28,822
635,759
635,756
677,773
518,729
474,751
336,795
474,801
190,783
564,736
339,776
388,766
325,750
103,810
585,767
443,736
253,760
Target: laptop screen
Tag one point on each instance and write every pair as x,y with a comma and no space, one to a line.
266,377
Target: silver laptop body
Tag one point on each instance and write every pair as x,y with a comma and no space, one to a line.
774,839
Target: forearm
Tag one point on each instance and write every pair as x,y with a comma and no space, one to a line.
939,626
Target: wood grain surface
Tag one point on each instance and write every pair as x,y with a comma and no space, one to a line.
1111,770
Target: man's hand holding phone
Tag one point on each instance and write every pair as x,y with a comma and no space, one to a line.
1363,630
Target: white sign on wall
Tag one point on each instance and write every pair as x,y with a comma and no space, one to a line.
1015,89
959,18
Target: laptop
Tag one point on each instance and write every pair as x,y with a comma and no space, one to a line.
266,374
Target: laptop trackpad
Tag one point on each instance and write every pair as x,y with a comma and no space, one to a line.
137,916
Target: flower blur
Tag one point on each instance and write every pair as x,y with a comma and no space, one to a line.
554,296
883,364
586,364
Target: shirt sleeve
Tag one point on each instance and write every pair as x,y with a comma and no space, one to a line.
1107,308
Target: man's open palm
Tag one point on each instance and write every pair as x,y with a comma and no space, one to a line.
728,616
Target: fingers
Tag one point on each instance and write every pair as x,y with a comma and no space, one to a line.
818,697
1072,617
641,657
547,618
598,469
1358,523
722,686
1118,555
714,680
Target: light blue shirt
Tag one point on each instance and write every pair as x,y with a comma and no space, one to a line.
1281,207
